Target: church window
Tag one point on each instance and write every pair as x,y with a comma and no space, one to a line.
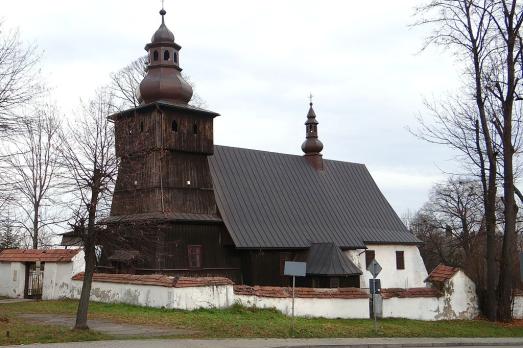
195,128
155,55
369,256
400,260
174,126
141,127
175,57
194,253
166,55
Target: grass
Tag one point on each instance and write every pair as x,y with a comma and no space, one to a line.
16,331
236,321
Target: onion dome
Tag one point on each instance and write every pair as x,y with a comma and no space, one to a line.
312,145
163,34
163,81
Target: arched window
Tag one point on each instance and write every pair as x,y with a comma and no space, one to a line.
195,129
166,55
155,55
141,127
175,57
174,126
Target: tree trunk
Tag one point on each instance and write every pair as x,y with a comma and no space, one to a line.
35,227
83,305
90,254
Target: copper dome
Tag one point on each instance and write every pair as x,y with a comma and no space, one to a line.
163,80
163,34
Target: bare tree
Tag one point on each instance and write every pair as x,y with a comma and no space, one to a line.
88,152
479,32
457,209
504,86
9,237
19,75
32,167
452,227
124,85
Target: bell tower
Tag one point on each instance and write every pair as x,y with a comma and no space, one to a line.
163,144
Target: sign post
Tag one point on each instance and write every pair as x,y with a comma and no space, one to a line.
374,268
294,269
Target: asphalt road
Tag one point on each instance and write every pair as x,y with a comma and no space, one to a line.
309,343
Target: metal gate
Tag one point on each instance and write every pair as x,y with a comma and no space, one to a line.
35,282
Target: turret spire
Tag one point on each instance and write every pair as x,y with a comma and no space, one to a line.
163,80
312,146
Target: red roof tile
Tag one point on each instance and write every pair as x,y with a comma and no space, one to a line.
441,273
281,292
33,255
410,293
157,279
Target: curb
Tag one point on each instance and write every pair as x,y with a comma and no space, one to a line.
413,345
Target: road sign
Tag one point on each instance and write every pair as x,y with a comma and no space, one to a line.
296,269
374,268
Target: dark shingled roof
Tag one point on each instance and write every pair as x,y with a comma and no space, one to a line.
327,259
275,200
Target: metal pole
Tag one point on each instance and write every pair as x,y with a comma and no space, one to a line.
293,284
374,305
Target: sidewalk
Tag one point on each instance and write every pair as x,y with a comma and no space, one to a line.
309,343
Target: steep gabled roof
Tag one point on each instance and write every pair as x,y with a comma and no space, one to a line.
33,255
327,259
275,200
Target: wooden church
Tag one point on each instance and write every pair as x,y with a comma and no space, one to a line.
186,206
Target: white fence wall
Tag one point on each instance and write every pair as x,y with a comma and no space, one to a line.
311,307
57,277
458,301
221,296
12,279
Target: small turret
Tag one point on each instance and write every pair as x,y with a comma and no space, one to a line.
163,80
312,146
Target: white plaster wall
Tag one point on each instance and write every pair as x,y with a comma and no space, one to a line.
517,307
412,276
158,296
78,263
460,300
57,277
12,279
311,307
419,308
57,280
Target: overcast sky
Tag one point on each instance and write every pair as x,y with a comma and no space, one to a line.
255,63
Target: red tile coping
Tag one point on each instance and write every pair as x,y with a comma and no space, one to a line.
33,255
282,292
409,293
157,279
441,273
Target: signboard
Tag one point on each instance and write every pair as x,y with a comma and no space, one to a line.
295,269
375,286
374,268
